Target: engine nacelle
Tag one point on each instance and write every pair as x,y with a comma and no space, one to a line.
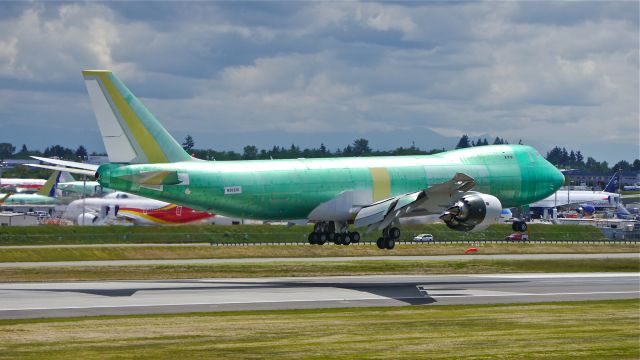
474,211
87,219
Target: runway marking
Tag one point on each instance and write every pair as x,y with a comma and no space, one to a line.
553,276
449,294
212,303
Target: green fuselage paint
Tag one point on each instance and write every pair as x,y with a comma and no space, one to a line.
290,189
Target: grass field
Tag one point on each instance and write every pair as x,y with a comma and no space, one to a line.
42,235
293,269
202,252
567,330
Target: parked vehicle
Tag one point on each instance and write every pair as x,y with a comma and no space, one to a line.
423,238
517,237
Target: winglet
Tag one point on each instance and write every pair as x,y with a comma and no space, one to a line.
131,134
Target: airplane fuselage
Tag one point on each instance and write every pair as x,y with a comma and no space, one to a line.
294,189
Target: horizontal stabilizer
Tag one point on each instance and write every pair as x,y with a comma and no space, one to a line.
154,178
62,168
72,164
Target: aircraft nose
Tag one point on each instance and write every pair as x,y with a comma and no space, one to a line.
557,178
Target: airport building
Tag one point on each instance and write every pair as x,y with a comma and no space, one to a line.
579,177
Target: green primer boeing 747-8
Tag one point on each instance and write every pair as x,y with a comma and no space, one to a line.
467,187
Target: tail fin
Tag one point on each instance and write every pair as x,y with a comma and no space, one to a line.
49,188
130,133
612,186
66,176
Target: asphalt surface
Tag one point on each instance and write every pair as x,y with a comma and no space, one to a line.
322,259
63,299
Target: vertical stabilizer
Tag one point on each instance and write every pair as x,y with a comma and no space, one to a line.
612,186
131,134
49,188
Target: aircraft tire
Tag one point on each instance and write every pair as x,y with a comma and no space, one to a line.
394,233
338,239
380,243
523,226
389,243
346,239
355,237
313,238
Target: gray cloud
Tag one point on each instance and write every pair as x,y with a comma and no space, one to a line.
551,73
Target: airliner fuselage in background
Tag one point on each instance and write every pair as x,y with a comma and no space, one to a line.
468,188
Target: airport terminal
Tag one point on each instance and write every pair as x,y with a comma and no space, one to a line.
147,246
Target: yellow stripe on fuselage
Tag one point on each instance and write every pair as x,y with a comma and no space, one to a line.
381,183
147,143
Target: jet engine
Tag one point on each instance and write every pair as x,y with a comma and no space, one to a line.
473,211
87,219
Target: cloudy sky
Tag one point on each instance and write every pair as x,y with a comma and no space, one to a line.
276,73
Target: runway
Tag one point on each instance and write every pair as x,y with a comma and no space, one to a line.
324,259
63,299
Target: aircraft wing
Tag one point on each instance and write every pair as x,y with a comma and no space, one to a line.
431,200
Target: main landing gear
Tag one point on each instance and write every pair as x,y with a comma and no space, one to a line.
389,237
330,231
519,226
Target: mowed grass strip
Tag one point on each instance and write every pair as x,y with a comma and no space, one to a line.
568,330
297,269
260,251
58,235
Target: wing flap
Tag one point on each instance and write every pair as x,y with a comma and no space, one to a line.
435,198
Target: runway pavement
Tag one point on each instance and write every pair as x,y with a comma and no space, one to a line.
322,259
62,299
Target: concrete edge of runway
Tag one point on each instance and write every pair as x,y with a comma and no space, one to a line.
323,259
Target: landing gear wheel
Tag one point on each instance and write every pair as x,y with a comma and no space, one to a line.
520,226
322,239
313,238
389,243
338,239
346,239
394,233
523,226
355,237
380,243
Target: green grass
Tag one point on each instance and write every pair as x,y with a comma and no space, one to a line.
567,330
301,268
201,252
43,235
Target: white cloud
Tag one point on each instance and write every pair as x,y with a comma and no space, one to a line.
500,68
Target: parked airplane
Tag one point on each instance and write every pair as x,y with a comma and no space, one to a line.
17,185
634,187
468,187
44,196
134,209
607,198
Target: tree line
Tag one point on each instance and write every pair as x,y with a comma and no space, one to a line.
8,151
560,157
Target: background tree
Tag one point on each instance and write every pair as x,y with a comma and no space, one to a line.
361,147
463,142
81,152
188,143
6,150
250,152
